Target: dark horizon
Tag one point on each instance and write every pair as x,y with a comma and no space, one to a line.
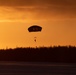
60,54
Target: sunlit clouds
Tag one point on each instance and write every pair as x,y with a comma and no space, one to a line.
25,10
9,14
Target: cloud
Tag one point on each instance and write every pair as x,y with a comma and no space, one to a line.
37,9
37,2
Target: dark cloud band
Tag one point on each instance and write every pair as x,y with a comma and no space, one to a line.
44,7
37,2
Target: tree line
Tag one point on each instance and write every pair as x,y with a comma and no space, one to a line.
64,54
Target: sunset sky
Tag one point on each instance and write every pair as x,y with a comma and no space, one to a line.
57,17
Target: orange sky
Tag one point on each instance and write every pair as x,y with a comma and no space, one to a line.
57,17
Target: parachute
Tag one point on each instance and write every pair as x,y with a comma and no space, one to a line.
34,28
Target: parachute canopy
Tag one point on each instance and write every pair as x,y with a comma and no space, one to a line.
34,28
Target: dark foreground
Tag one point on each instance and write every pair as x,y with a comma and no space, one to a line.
38,68
60,54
